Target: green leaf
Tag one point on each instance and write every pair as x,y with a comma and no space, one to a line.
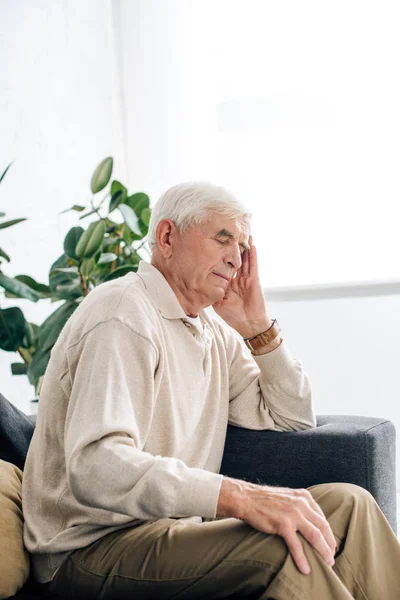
138,202
29,336
91,212
91,240
117,186
111,241
19,368
107,257
119,194
68,270
130,218
38,385
71,240
145,216
50,329
34,327
111,226
69,291
4,172
76,207
18,288
9,223
115,200
40,288
12,328
61,278
129,237
87,267
120,272
102,175
133,259
4,255
37,366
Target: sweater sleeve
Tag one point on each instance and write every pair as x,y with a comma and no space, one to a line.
270,391
110,384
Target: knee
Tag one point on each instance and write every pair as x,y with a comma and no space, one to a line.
341,493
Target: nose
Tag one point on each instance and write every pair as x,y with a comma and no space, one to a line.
234,257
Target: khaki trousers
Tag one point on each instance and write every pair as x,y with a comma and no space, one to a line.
169,558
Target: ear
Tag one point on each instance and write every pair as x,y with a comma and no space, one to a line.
166,234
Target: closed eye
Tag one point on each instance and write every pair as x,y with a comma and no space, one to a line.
243,250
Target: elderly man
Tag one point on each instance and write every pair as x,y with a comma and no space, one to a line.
122,493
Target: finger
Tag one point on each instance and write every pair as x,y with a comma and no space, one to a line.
239,274
253,266
245,263
234,283
316,538
324,524
321,522
328,533
296,550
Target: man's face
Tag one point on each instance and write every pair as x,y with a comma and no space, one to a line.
207,256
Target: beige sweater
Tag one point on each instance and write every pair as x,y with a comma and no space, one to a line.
133,415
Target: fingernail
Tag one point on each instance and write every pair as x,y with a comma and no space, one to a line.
306,570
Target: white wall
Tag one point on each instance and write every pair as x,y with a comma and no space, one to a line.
168,139
60,114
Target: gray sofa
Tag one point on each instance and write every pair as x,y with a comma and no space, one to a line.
354,449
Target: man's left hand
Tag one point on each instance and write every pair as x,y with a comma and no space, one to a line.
243,306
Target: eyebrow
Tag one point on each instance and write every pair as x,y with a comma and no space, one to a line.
230,235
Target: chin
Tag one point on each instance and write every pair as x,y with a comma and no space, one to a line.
218,297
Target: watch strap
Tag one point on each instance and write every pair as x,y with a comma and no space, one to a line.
262,339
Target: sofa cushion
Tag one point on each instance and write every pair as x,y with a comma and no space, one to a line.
16,430
14,559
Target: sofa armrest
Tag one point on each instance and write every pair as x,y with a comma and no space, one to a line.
353,449
16,430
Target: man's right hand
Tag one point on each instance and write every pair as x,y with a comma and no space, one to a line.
281,511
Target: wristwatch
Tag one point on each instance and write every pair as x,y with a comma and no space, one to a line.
262,339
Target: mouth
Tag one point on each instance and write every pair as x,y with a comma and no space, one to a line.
222,276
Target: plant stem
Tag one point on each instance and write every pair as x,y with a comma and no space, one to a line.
25,354
142,244
118,250
102,200
96,209
83,283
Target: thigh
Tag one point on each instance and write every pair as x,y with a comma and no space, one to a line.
177,558
174,558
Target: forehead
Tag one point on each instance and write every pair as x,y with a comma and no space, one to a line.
225,227
239,228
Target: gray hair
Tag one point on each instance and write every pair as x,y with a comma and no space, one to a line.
191,203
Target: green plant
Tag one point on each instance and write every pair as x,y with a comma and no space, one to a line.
107,249
16,334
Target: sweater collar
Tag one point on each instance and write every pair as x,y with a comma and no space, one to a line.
160,291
